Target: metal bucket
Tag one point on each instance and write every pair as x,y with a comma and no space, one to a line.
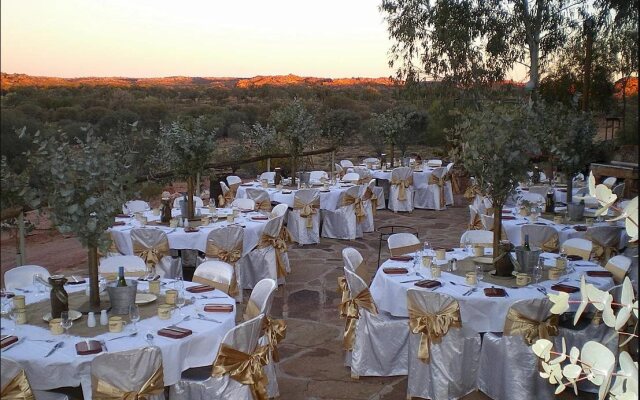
122,297
304,178
526,259
575,211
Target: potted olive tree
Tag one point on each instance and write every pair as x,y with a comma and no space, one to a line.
83,185
494,143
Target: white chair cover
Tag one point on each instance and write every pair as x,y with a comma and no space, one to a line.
316,177
431,196
619,267
244,204
233,179
10,369
541,236
508,367
269,176
364,173
168,267
605,239
434,163
352,259
403,243
280,210
380,342
22,276
261,262
197,202
346,163
541,190
305,229
218,274
198,383
475,222
226,242
133,265
128,370
533,198
342,222
448,187
372,160
402,174
367,196
487,222
135,206
478,237
351,177
261,197
452,369
339,170
579,247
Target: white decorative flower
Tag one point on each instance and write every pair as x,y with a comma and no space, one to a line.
560,302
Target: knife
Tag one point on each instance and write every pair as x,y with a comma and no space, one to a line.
56,347
176,329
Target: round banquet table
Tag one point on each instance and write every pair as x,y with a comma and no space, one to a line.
328,199
65,368
179,239
478,312
420,177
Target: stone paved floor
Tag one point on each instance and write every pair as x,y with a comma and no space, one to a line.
311,365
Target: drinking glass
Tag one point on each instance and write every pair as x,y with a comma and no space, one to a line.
178,284
426,250
134,316
65,322
479,272
180,302
467,246
538,270
13,314
37,283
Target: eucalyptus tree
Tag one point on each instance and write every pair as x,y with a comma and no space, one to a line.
477,41
296,127
83,185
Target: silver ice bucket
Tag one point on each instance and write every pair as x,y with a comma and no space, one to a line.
526,259
122,297
304,178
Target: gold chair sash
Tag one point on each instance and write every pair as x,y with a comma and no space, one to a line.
476,224
251,310
351,309
110,276
230,256
601,252
280,246
343,290
530,330
227,198
113,248
551,245
103,390
402,185
18,388
369,195
358,206
275,330
398,251
471,192
263,205
585,254
433,180
151,255
244,368
307,210
218,285
432,327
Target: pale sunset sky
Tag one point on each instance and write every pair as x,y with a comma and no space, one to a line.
156,38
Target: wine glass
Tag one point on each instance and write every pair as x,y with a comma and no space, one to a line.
538,269
134,316
180,302
479,272
65,322
13,315
467,246
37,283
178,284
426,250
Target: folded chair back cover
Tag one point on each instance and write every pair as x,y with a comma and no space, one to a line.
261,197
579,247
403,243
508,368
352,259
304,220
261,298
217,274
132,371
443,354
153,246
233,179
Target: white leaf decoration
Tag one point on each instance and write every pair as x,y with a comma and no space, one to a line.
574,354
592,184
560,389
607,312
605,197
601,362
596,296
560,302
584,301
627,302
635,308
542,349
571,371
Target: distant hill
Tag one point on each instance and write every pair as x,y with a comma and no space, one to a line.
9,81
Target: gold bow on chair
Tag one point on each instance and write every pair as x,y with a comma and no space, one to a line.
227,198
432,327
343,290
224,287
103,390
307,210
369,195
280,246
434,180
471,192
551,245
351,310
18,388
476,224
357,203
230,257
402,185
151,255
530,330
398,251
601,251
244,368
263,205
275,330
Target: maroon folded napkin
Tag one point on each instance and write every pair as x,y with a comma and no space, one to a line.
88,347
78,282
122,216
175,332
200,289
119,223
524,189
574,257
600,274
580,228
508,217
401,258
246,184
495,292
259,218
216,307
428,283
561,287
395,270
7,340
191,229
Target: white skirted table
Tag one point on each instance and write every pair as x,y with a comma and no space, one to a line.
328,199
65,368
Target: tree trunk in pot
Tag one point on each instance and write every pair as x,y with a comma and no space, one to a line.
190,188
94,292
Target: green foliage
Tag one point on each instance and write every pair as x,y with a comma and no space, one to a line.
83,183
260,139
295,126
16,190
339,125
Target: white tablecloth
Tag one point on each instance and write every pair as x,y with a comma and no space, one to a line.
478,312
66,368
328,200
420,178
179,239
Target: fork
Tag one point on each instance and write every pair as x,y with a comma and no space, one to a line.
42,340
123,336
